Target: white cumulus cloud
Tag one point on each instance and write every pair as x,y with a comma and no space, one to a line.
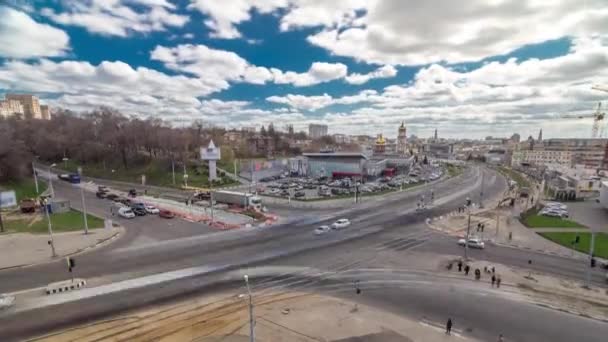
22,37
386,71
117,17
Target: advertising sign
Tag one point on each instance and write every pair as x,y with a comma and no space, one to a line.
8,199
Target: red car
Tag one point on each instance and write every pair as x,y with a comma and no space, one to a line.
166,214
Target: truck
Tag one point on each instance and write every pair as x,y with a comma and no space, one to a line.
244,200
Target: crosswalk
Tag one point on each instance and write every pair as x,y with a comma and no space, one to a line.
406,242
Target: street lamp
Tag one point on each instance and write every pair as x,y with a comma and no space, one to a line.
466,238
51,180
84,210
48,219
251,322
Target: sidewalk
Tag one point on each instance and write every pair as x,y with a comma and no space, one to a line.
24,249
544,290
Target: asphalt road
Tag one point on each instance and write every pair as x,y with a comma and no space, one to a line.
376,223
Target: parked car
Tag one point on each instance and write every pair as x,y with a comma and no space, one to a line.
556,205
150,209
27,205
166,214
103,188
341,223
299,194
554,213
123,200
285,193
322,230
126,212
139,211
132,193
310,186
473,243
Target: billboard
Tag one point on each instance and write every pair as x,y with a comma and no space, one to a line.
210,152
8,199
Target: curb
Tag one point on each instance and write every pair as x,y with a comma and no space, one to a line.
114,236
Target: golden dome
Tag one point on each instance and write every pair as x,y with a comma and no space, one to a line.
380,140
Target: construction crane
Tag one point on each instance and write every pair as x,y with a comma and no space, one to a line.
598,118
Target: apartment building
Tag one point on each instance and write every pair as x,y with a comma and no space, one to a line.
11,107
30,103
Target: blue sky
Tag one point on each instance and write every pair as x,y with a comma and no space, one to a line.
470,70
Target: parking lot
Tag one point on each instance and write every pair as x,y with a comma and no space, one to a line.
303,188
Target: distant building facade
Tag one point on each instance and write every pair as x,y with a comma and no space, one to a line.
30,103
541,157
316,131
10,108
44,112
402,139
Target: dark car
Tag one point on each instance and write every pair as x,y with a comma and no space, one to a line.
299,194
138,205
285,193
166,214
132,193
101,194
123,200
139,211
112,197
310,186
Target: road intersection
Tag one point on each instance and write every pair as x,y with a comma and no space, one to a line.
155,261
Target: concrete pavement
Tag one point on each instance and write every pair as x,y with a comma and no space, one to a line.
24,249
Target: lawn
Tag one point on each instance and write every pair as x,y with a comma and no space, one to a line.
539,221
566,239
25,188
453,170
62,222
516,176
157,173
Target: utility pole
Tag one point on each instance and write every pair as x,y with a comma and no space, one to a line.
466,239
48,219
591,247
51,181
251,321
481,191
173,170
35,178
84,211
235,176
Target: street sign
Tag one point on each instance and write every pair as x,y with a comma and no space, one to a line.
8,199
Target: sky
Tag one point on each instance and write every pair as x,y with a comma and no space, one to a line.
469,69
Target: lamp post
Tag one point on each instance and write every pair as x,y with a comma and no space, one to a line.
251,321
84,210
51,180
48,219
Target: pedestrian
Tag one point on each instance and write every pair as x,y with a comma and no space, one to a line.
459,265
498,282
493,280
448,327
483,227
466,270
477,274
500,339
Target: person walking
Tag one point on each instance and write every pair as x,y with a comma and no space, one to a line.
500,339
466,270
448,327
459,265
493,280
498,282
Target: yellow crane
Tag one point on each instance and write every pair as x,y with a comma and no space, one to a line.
598,116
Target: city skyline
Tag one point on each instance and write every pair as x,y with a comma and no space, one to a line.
301,63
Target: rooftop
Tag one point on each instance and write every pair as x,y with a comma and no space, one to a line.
336,155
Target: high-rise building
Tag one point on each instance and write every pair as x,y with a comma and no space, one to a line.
11,107
316,131
30,103
44,112
402,139
435,137
540,135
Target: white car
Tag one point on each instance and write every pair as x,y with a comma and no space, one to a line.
150,209
126,212
554,213
473,243
341,223
557,205
322,230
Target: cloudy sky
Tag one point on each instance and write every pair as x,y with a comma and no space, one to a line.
468,68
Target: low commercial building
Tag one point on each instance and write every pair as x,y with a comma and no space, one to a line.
570,183
439,150
336,165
